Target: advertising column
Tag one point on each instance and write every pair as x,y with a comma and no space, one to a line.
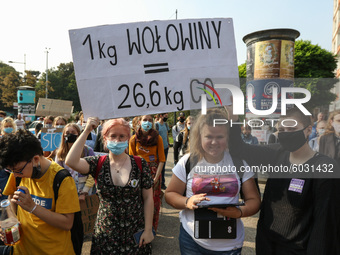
26,102
270,63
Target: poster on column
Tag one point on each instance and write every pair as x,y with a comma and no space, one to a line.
150,67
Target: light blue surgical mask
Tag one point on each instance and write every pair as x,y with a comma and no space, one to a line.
60,126
47,125
1,118
146,125
117,148
188,127
8,130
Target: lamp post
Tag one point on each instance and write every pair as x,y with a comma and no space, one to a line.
47,49
14,62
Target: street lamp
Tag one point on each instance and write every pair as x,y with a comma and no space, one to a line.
14,62
47,49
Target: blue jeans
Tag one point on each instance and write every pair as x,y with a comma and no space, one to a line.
189,247
163,170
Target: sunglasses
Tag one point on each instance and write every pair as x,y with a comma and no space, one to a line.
17,172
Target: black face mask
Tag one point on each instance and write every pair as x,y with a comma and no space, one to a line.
181,120
292,141
165,119
36,173
70,138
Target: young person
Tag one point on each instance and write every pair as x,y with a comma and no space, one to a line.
300,209
209,145
84,183
148,144
163,129
45,223
124,191
181,144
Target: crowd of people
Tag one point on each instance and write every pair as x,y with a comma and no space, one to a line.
123,160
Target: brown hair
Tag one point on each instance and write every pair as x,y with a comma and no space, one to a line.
64,147
295,112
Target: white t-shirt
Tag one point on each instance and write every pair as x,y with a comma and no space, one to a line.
20,124
222,185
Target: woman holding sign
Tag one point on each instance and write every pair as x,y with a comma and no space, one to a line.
206,184
148,144
123,185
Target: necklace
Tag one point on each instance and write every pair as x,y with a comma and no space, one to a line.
117,170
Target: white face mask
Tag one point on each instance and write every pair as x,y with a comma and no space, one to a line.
336,127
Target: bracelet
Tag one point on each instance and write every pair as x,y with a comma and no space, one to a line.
186,202
240,212
33,208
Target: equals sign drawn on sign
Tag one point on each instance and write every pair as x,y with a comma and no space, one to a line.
156,68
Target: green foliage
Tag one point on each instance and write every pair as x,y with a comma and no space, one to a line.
61,84
9,88
242,72
316,66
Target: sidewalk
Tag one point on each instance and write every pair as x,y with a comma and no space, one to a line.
166,240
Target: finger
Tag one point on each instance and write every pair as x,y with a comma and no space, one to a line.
141,242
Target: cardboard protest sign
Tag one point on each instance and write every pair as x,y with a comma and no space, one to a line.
151,67
50,138
89,208
54,107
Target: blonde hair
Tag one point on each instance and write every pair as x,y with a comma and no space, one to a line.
329,127
5,121
186,131
64,148
59,118
196,149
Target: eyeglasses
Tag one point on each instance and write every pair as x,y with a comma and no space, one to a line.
17,172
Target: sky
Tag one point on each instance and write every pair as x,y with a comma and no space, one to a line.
31,27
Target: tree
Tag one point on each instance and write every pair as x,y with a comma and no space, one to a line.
9,88
62,84
314,70
315,66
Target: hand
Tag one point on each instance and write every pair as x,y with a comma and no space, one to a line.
91,123
231,212
23,199
196,199
146,237
82,197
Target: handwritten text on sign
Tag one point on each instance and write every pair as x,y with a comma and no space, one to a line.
138,68
51,138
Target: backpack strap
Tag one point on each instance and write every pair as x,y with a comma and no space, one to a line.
58,179
157,126
100,163
139,163
191,162
238,163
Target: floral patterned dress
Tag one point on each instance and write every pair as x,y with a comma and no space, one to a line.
121,209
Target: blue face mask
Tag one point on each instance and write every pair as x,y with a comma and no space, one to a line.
117,148
188,127
8,130
47,125
146,125
60,126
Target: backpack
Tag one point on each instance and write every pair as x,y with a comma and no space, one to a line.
166,124
103,158
237,163
77,231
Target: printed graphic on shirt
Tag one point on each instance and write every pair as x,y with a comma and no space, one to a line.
44,202
215,185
